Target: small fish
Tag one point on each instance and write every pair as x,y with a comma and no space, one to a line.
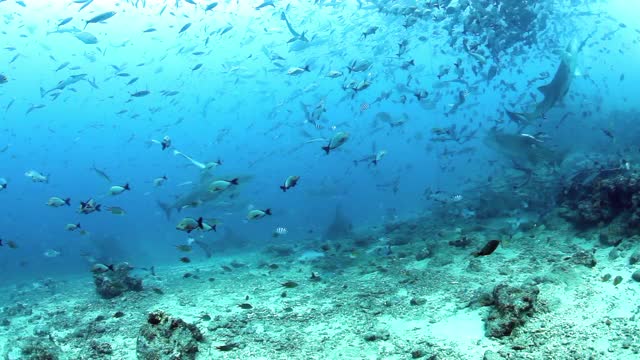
3,79
55,201
117,189
290,182
65,21
100,18
488,249
245,306
336,141
196,67
62,66
211,6
334,74
290,284
3,184
185,260
11,244
379,155
101,173
184,248
294,71
132,80
141,93
89,206
115,210
149,30
37,177
51,253
370,31
258,214
265,4
184,28
189,224
72,227
220,185
159,181
280,231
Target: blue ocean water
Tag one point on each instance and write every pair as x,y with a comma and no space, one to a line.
221,89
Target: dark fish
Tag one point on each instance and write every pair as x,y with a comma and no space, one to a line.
141,93
65,21
99,18
245,306
290,284
185,260
184,28
488,249
150,30
196,67
211,6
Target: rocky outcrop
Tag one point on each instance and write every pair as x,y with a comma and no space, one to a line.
163,337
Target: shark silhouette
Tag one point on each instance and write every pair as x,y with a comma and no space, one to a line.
553,91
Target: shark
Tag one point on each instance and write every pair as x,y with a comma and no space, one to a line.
199,195
296,36
63,84
554,91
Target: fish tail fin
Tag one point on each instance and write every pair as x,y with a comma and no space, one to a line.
306,68
127,187
234,181
98,207
166,208
215,227
86,23
326,149
200,223
78,225
67,201
267,211
283,188
374,162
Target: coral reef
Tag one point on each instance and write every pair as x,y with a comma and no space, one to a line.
609,197
511,307
113,281
165,338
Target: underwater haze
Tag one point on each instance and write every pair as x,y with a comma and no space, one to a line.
368,172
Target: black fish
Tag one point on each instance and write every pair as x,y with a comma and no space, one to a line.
488,249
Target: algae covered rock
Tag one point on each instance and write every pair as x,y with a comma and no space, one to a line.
112,281
511,307
165,338
584,258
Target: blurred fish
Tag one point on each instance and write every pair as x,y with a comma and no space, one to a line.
3,79
159,181
3,184
58,202
334,74
189,224
258,214
265,4
72,227
211,6
115,210
184,248
101,173
280,231
290,182
86,38
220,185
336,141
65,21
117,189
141,93
184,28
51,253
294,71
36,176
89,207
185,260
100,18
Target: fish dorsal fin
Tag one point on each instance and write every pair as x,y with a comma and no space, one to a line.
545,89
